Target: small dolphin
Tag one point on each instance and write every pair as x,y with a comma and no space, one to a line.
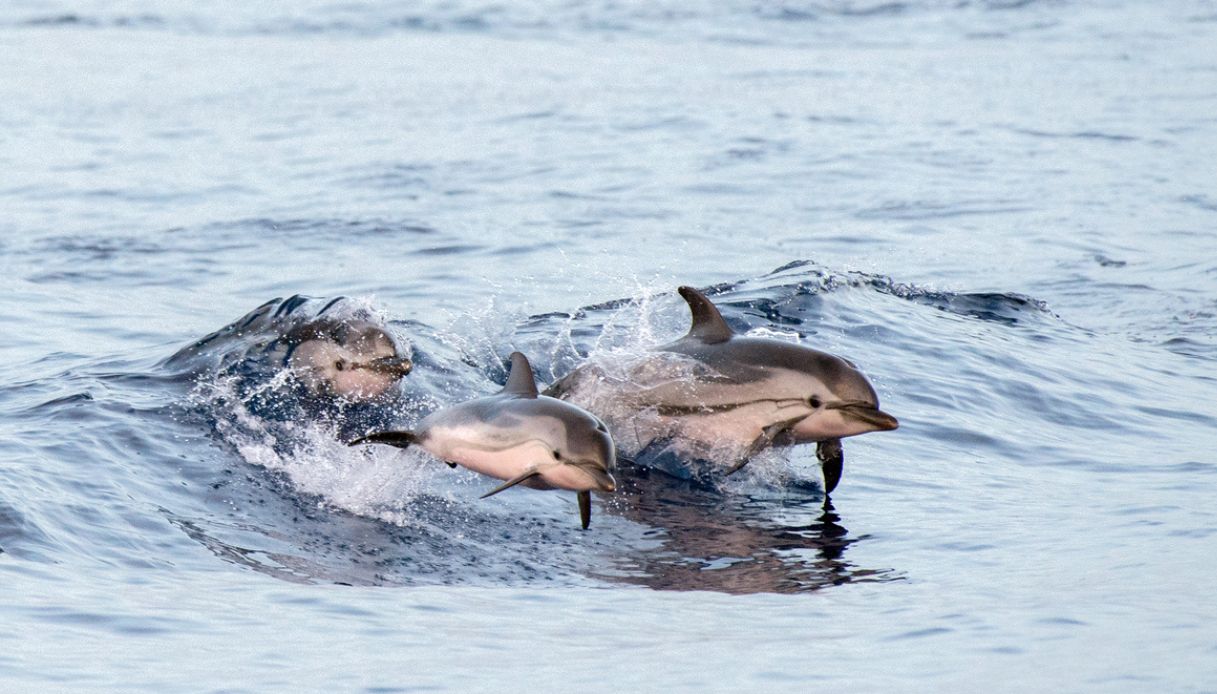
518,436
754,393
354,359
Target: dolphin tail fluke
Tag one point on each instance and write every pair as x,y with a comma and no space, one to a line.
585,508
401,439
512,482
832,463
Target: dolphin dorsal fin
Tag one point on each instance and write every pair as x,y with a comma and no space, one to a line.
708,323
521,381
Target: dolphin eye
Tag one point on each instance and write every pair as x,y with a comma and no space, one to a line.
557,455
815,402
341,365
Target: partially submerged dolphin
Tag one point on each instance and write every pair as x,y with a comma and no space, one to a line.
336,350
353,359
749,393
518,436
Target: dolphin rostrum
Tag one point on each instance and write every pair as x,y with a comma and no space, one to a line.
746,392
518,436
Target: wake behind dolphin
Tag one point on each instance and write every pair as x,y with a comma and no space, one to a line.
718,395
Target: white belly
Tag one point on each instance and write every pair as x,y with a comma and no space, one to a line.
502,464
513,462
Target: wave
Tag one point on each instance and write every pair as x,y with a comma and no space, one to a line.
730,21
410,495
238,459
787,297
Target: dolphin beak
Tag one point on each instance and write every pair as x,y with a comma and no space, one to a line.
865,413
391,366
603,479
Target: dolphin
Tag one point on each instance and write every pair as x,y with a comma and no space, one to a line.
337,353
352,359
518,436
748,392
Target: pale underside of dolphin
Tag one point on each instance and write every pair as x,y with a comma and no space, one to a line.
518,436
742,393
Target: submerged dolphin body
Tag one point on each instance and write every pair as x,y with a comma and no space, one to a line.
518,436
747,392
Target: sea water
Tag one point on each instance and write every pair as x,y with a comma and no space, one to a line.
1004,212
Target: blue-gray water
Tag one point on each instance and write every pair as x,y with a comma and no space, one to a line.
1004,212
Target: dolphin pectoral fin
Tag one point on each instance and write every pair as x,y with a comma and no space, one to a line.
585,508
738,464
401,439
832,463
768,434
512,482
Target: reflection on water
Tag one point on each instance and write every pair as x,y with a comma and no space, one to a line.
707,540
693,537
282,566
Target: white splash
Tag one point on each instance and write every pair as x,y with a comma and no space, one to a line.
375,482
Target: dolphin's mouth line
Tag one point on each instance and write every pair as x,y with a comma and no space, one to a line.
603,478
393,366
865,412
848,404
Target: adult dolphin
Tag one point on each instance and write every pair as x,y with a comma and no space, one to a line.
518,436
748,392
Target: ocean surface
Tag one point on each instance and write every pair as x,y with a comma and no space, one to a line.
1005,212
